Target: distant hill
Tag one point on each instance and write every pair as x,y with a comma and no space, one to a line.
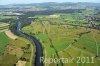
48,4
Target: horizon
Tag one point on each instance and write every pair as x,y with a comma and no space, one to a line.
5,2
44,2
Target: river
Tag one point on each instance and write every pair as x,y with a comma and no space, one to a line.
39,49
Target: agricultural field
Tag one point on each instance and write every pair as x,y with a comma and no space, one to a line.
7,17
3,38
3,42
13,50
66,36
3,26
50,33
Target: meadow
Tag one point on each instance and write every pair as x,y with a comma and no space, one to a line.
7,17
13,50
3,42
65,35
4,26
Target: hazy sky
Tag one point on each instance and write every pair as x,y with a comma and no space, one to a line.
3,2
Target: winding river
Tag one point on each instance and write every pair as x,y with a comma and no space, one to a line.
39,49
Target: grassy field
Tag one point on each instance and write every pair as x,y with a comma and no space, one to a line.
3,42
14,50
11,51
66,36
8,60
7,17
27,49
4,26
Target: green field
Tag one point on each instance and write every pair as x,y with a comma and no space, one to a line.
67,36
12,50
4,26
3,42
7,17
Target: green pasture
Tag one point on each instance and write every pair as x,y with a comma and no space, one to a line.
4,26
63,35
3,42
7,17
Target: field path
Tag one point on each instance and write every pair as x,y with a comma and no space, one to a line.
11,35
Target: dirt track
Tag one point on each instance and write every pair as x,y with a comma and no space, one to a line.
11,35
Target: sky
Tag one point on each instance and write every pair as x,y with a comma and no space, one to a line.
5,2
